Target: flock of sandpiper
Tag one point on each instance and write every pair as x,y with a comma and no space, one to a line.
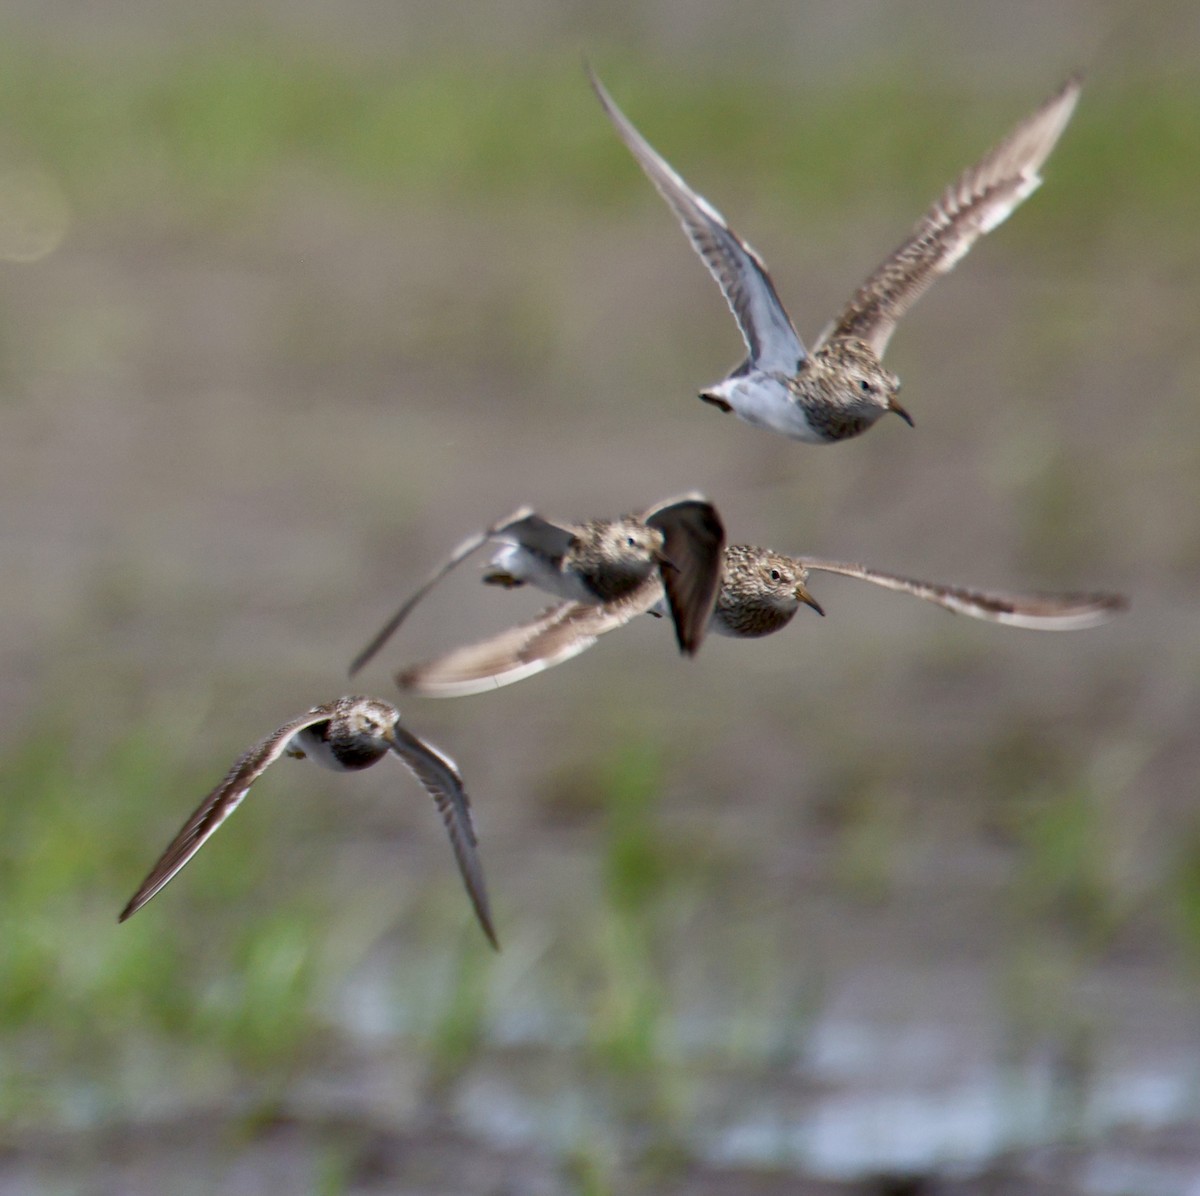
672,560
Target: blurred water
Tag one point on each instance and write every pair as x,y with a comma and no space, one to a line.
925,884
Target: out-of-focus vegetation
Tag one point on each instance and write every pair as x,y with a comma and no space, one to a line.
208,128
721,893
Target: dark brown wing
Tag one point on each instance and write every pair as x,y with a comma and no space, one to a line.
739,271
982,197
218,805
442,780
1038,612
694,551
556,635
528,526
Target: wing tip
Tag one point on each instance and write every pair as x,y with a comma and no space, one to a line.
1073,83
408,679
1052,118
489,930
1078,612
142,897
601,92
413,681
1103,604
1112,605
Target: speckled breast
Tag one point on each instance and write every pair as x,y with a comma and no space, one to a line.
353,754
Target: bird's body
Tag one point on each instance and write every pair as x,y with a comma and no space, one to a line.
351,740
760,593
679,541
833,394
345,735
841,387
602,560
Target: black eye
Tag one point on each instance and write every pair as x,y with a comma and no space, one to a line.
631,541
865,386
774,574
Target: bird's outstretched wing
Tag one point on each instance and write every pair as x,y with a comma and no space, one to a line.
442,780
557,634
694,551
1038,612
982,197
740,273
524,524
219,804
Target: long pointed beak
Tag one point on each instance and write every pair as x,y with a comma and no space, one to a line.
664,562
898,410
801,592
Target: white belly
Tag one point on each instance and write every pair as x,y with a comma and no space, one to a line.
765,401
315,749
537,571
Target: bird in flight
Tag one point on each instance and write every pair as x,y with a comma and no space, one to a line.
345,735
680,541
840,387
760,593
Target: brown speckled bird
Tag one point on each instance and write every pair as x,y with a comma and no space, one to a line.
345,735
760,593
841,388
680,541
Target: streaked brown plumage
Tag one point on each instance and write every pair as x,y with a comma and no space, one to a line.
841,388
761,591
601,560
346,735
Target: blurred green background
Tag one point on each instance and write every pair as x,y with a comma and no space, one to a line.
292,296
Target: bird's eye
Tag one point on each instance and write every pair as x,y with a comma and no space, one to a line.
631,541
865,386
774,574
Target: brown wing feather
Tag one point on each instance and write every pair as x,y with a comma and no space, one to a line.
1037,612
218,805
739,271
982,197
694,547
537,527
442,780
556,635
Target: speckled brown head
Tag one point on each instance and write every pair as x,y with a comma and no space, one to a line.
614,556
760,593
840,389
845,389
346,734
358,732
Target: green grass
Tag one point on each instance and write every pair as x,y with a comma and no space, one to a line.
77,831
628,1014
459,1032
1065,875
1184,895
228,974
210,126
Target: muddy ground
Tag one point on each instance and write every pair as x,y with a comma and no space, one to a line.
891,902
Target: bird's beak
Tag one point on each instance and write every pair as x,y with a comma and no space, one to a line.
664,561
898,410
802,594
